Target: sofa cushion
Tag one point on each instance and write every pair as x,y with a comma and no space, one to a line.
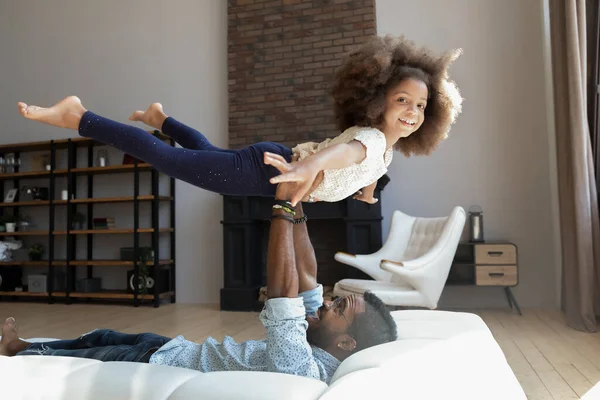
82,379
436,324
593,393
437,353
417,330
249,385
77,378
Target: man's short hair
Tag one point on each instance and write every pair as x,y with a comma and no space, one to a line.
374,326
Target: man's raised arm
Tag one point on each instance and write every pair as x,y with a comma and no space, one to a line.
282,277
284,313
306,262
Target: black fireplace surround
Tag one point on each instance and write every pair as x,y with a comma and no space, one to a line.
245,237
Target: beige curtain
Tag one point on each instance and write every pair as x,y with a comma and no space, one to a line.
576,181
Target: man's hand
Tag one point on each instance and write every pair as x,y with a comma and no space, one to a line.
301,173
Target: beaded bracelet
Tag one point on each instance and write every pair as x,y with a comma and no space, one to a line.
300,220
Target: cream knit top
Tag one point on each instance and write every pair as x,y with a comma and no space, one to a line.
338,184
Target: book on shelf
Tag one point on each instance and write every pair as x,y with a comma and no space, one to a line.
103,223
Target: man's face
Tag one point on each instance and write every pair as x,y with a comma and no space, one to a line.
333,320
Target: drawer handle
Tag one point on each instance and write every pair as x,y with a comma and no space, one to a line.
495,253
496,274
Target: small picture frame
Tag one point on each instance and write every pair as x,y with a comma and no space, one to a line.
11,195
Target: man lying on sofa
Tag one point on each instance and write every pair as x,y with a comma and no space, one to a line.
305,336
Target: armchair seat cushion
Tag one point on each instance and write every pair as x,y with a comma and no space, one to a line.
361,285
395,294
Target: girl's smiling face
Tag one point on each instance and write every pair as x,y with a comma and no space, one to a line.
405,106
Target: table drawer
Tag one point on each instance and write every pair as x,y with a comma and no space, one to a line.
496,275
495,254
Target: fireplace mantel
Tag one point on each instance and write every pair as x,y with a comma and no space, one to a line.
245,236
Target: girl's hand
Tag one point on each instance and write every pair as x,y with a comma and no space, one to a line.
367,198
303,172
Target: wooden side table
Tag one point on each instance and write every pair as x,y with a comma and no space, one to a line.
487,264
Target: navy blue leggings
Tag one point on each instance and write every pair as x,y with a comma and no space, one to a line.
230,172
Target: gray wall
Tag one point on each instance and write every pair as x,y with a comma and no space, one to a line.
498,152
119,56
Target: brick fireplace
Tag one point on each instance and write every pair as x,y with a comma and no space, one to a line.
282,55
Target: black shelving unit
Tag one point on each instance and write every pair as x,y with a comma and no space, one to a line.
162,269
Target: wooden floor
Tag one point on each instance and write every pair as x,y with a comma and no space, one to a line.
550,360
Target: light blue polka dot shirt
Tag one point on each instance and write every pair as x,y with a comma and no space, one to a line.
284,350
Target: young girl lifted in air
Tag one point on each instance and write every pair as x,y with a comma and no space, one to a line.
388,95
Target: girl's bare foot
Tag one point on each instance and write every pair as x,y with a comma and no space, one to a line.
153,116
65,114
10,344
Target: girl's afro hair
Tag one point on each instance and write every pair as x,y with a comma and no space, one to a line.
361,84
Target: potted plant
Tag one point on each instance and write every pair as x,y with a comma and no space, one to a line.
10,222
36,252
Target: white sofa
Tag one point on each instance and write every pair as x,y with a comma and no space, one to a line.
438,355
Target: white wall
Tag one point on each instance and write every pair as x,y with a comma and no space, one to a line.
498,154
119,56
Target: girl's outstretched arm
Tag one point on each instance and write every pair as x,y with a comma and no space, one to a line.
305,171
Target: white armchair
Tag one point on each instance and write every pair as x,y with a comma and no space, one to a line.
412,267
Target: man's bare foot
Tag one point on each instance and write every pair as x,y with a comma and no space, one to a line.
10,333
153,116
66,113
